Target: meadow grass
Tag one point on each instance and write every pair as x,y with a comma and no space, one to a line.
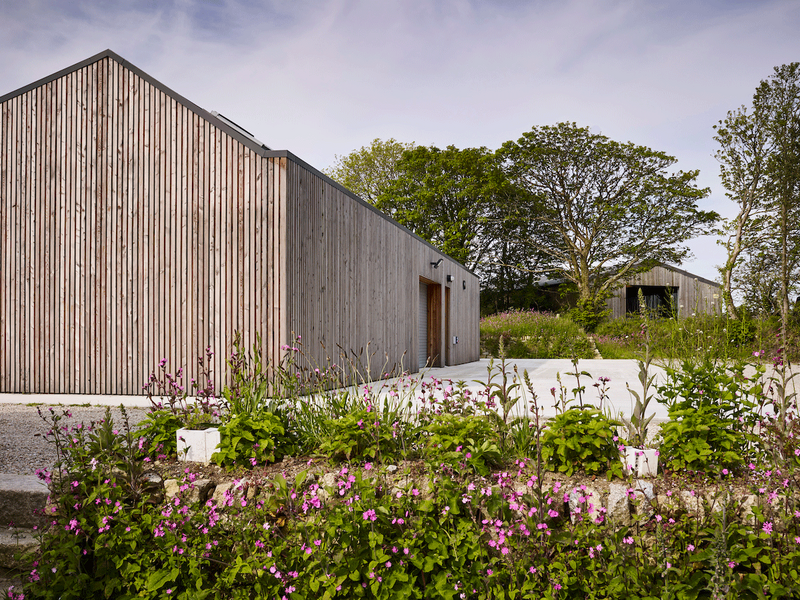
533,334
700,337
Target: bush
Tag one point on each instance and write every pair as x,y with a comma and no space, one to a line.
462,441
360,435
582,438
251,439
712,414
589,312
158,428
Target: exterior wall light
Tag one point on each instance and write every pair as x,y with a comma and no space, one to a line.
436,264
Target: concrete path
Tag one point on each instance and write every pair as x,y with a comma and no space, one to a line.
542,373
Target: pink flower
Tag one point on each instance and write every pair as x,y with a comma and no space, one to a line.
767,527
690,547
369,515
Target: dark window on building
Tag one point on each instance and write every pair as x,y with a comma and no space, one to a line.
661,300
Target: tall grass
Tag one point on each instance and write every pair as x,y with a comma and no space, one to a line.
696,337
533,334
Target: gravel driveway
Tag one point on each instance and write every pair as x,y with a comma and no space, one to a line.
23,448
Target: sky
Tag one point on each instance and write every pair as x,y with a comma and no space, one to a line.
321,78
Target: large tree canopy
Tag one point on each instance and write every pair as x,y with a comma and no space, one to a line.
451,197
609,209
448,198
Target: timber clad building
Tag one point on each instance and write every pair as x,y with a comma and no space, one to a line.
667,289
136,226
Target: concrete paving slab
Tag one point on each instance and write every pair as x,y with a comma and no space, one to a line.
75,399
544,373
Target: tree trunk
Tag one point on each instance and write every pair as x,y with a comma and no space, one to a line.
727,295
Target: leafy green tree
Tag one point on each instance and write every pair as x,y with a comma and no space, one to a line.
743,157
370,170
778,99
600,209
758,279
448,197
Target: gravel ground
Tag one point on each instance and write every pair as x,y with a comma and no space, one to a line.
23,448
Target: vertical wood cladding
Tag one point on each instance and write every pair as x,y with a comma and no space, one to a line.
132,230
695,295
134,226
354,283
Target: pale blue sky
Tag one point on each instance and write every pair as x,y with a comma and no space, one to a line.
323,77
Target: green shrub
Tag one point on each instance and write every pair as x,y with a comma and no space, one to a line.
589,312
582,438
741,333
158,428
360,435
712,414
467,441
247,440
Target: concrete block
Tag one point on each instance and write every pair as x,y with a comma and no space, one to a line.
22,500
641,462
197,445
14,543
